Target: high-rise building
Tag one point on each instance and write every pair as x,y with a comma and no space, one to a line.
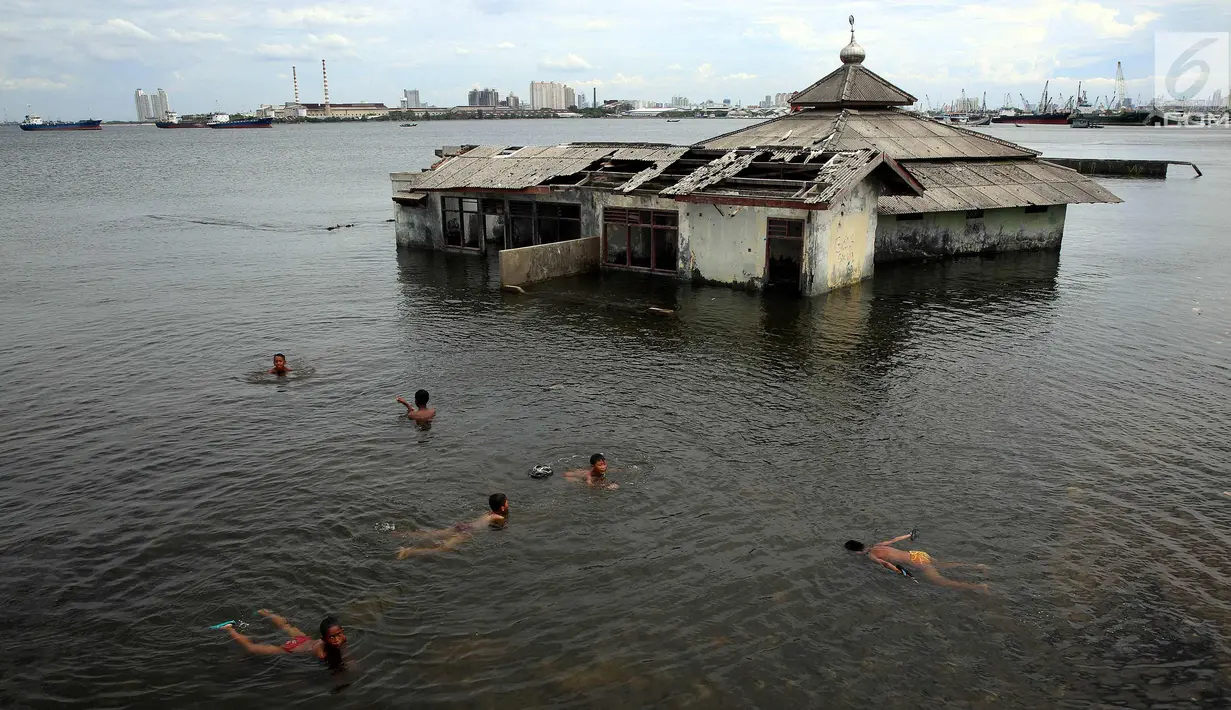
549,94
484,97
144,110
679,102
783,99
410,99
512,101
159,105
582,100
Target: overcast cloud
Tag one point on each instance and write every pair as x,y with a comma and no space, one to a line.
70,59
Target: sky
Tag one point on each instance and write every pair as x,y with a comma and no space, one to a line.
70,59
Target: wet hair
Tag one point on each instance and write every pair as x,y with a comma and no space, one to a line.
279,355
854,546
596,458
421,398
496,501
333,654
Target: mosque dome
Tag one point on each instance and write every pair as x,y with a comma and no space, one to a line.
852,53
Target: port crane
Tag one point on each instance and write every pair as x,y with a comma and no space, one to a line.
1025,103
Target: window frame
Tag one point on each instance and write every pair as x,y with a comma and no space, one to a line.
515,209
661,223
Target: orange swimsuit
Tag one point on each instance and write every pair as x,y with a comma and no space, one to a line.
920,557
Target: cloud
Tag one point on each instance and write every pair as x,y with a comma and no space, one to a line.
312,48
674,67
32,83
323,15
122,28
739,76
617,80
461,51
795,31
506,45
597,25
194,37
705,72
570,62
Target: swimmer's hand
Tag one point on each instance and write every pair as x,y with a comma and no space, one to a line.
612,486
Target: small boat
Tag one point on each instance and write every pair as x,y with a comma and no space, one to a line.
36,123
673,120
1084,123
408,125
222,120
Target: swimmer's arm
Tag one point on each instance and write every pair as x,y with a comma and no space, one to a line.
890,565
409,410
899,538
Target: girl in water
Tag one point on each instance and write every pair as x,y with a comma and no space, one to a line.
327,648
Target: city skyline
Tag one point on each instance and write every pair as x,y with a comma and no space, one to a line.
67,62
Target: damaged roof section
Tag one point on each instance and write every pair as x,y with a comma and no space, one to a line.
806,178
991,185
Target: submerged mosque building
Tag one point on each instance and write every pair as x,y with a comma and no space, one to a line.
810,201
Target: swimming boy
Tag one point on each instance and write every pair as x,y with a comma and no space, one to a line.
420,412
901,562
327,648
452,537
280,369
596,476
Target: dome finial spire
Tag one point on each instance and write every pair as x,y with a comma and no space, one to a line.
852,53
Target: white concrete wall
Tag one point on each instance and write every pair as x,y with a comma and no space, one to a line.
419,227
840,243
952,234
726,244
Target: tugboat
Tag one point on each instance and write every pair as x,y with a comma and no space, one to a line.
223,120
173,121
36,123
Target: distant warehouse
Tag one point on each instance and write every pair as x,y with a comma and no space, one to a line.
345,110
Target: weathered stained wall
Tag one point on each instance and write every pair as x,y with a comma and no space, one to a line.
953,234
419,227
548,261
840,243
726,244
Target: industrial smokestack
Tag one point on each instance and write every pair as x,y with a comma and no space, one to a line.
325,79
295,79
595,103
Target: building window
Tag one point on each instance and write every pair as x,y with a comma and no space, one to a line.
784,228
534,223
463,223
1035,209
974,214
910,217
641,239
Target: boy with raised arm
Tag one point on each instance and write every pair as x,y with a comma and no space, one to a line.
900,561
420,412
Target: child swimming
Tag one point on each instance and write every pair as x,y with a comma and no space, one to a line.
328,648
452,537
280,368
596,475
899,561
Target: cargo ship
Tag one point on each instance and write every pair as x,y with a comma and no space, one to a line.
1055,118
174,121
35,123
222,120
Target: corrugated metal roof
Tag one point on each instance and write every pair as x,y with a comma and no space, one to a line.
990,185
712,173
852,84
902,135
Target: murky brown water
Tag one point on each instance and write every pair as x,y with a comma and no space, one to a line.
1063,418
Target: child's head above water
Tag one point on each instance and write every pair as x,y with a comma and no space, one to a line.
598,463
854,546
421,398
499,503
334,638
